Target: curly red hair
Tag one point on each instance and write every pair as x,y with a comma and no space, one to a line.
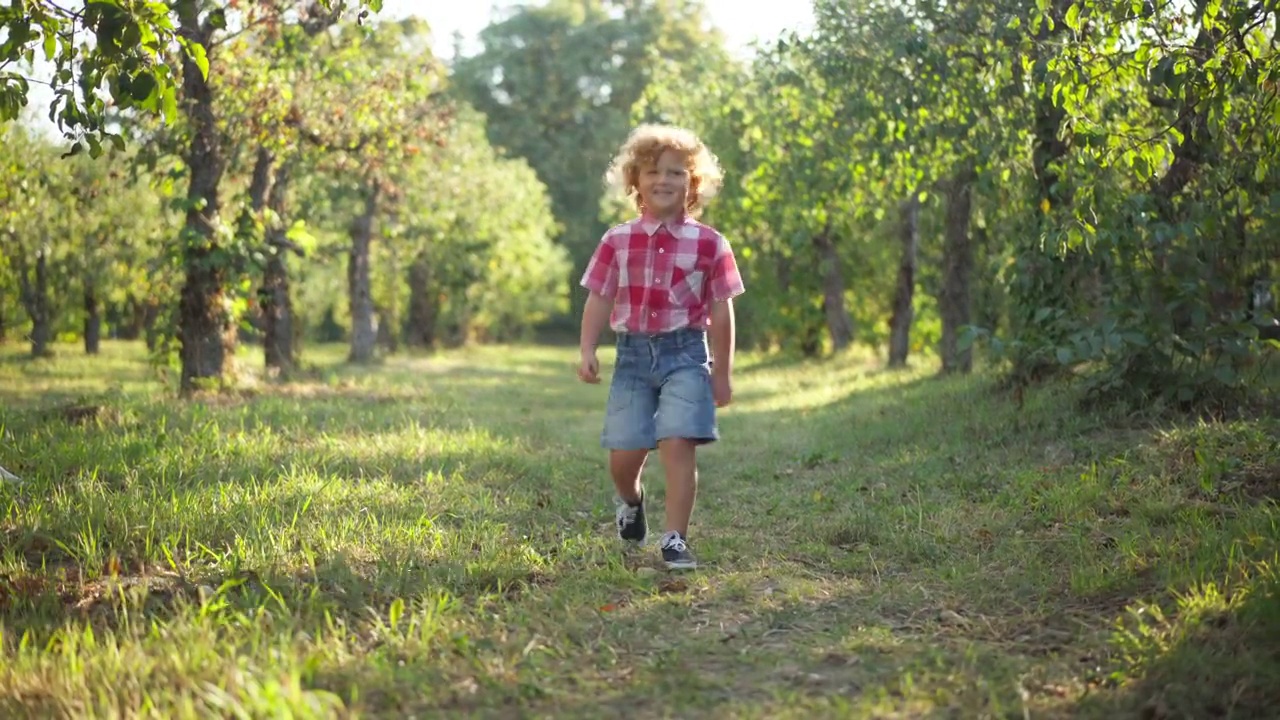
643,148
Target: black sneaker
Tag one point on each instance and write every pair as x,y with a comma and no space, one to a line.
675,552
631,522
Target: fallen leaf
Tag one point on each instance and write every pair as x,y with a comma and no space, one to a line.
609,607
951,617
468,686
835,658
672,585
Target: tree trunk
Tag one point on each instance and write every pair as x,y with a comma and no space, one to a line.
1188,157
839,324
205,329
151,324
423,310
382,326
956,302
364,333
810,341
990,307
36,300
92,318
277,314
41,313
277,305
1042,279
112,318
389,315
904,296
132,318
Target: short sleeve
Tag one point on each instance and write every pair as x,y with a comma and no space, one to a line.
601,275
726,281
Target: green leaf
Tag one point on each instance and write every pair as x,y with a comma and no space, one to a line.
1141,166
198,55
299,235
1073,17
169,103
142,85
397,612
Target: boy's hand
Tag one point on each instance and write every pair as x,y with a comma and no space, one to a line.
721,388
589,367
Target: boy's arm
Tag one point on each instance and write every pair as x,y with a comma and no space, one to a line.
595,315
723,333
726,284
601,282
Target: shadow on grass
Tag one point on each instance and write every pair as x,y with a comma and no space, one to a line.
485,481
660,646
1043,518
1215,654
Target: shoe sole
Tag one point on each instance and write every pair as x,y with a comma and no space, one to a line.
677,565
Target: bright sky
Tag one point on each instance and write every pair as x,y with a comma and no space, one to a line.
764,21
741,27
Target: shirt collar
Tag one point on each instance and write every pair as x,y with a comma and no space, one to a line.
650,224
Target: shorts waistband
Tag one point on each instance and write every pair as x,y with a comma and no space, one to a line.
682,338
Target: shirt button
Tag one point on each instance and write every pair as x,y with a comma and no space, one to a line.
661,250
653,314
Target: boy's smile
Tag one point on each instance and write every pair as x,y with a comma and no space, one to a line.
664,185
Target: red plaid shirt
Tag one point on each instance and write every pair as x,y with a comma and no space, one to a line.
662,276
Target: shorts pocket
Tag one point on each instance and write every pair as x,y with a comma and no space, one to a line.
694,355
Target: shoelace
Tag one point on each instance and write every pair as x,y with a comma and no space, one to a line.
627,513
674,542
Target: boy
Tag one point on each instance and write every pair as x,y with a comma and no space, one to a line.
663,282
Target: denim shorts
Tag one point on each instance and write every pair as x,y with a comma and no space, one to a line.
661,389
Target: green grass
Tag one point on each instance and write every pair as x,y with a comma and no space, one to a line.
434,534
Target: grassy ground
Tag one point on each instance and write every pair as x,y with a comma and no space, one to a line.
435,534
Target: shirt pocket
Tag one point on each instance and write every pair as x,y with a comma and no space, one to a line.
687,282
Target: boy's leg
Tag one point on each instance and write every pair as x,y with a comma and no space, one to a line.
626,467
680,463
686,419
629,436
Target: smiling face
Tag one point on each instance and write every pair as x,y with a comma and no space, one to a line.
664,185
